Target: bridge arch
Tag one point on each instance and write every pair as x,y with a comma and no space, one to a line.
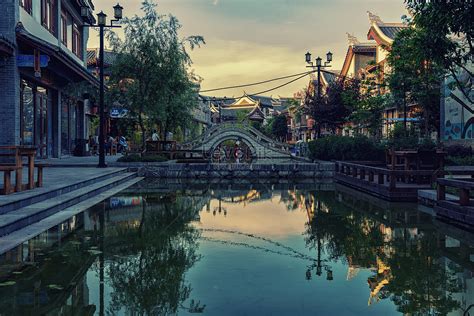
261,146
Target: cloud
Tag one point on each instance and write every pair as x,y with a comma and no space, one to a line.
215,2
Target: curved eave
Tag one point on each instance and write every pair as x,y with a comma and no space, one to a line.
376,34
347,61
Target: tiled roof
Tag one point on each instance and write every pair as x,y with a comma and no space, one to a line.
391,30
93,55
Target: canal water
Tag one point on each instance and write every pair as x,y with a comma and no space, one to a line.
242,249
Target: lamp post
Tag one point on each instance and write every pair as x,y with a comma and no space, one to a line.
101,24
318,65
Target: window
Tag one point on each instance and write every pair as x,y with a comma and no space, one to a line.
27,5
76,41
64,28
48,15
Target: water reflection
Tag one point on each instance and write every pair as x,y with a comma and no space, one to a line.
168,248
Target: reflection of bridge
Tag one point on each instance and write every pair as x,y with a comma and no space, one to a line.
260,145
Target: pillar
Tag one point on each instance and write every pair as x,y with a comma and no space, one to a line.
9,78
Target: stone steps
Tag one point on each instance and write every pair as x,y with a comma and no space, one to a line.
19,200
24,234
20,218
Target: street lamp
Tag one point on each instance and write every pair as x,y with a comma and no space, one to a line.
102,23
318,66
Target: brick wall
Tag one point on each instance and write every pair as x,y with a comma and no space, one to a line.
9,79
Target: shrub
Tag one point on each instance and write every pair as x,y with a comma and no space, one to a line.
346,148
138,158
459,151
460,161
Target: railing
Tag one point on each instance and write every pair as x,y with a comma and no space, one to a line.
464,186
237,127
369,172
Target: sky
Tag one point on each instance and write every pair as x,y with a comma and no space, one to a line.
254,40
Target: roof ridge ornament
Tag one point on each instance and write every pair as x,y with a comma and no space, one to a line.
352,39
373,18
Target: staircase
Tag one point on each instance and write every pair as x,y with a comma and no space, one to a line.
23,219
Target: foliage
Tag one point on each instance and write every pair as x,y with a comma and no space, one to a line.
369,113
451,32
346,148
460,161
150,74
279,127
242,115
147,275
138,158
416,74
332,109
400,139
459,155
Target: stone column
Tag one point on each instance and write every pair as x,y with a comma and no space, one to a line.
9,78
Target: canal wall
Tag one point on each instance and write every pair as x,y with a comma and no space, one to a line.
318,170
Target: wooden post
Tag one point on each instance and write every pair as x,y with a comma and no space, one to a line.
380,178
463,197
441,192
393,180
371,176
362,174
354,172
6,182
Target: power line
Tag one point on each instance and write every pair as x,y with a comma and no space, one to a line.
257,83
265,91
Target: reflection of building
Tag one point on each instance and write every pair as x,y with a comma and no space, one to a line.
55,286
42,48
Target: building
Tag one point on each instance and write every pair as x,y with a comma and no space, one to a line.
43,52
384,34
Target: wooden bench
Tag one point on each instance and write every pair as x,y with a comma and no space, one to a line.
7,182
39,174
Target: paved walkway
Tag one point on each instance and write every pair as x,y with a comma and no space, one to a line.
90,161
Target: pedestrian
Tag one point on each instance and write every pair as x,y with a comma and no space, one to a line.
154,136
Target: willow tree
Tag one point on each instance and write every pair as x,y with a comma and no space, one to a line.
150,76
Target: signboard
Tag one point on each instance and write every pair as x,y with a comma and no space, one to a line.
458,110
29,60
118,113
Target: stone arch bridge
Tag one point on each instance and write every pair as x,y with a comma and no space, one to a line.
260,145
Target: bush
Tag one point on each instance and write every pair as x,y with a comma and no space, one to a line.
460,161
358,148
138,158
459,151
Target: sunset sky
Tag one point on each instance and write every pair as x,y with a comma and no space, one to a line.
255,40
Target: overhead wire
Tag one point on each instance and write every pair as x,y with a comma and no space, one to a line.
264,91
256,83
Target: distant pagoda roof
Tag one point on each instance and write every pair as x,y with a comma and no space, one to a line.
381,32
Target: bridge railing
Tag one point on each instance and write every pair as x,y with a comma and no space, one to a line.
238,127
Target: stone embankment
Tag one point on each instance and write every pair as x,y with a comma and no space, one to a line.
319,170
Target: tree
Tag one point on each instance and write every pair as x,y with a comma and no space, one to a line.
451,32
416,74
369,114
150,74
332,109
280,127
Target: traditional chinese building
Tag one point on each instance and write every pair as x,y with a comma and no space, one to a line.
384,34
42,50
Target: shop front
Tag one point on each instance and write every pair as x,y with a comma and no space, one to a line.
51,119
